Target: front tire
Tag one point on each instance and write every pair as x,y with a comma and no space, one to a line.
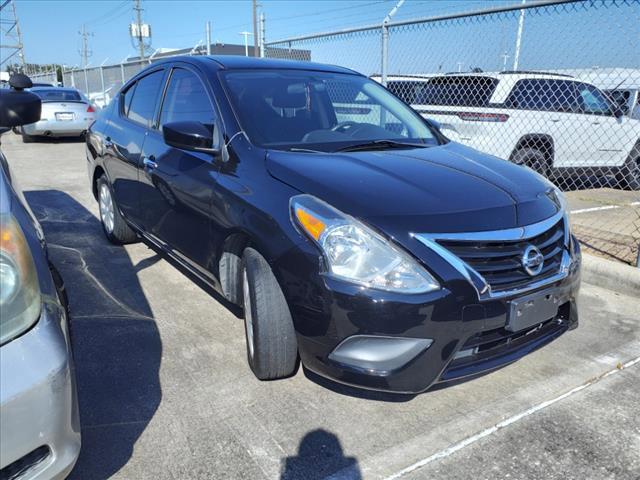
113,224
272,348
27,138
629,177
532,158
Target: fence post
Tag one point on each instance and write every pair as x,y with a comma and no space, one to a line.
262,35
102,80
385,53
122,72
384,64
86,82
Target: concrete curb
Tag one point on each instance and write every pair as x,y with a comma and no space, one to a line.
615,276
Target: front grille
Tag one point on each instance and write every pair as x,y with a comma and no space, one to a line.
500,262
18,468
493,348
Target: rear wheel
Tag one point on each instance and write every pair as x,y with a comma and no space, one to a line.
115,228
629,177
272,348
532,158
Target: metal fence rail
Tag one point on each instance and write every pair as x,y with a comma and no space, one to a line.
570,110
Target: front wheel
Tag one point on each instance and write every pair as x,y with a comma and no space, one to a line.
27,138
272,348
532,158
114,226
629,176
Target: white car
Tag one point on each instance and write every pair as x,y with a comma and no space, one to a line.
544,121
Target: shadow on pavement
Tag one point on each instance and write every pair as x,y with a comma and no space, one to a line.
117,346
320,456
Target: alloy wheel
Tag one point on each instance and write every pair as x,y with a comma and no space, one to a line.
106,208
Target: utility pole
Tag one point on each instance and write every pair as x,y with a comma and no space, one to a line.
12,36
208,35
138,9
505,57
256,51
85,52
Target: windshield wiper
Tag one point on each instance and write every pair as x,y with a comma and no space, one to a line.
380,145
304,150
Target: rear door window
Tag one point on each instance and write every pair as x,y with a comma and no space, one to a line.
145,98
593,101
544,94
411,92
463,91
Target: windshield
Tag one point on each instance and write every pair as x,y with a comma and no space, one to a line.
57,95
323,111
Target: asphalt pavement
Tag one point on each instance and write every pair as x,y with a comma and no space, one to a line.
166,393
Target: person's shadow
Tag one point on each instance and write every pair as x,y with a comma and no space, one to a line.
116,343
320,456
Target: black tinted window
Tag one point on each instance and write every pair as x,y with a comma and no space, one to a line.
58,95
471,91
145,96
186,99
544,94
410,92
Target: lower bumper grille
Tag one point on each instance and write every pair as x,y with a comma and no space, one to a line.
494,348
16,469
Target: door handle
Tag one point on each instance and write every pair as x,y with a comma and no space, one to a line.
149,162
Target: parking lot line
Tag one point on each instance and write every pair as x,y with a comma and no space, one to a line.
605,207
504,423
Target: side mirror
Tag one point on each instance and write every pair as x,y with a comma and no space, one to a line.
189,135
18,107
619,111
19,81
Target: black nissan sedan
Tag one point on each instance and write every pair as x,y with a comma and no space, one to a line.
355,236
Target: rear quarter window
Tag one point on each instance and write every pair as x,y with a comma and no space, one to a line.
462,91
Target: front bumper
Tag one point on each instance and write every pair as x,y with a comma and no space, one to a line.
56,128
466,337
39,422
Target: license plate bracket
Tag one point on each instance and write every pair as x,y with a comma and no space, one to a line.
64,116
526,312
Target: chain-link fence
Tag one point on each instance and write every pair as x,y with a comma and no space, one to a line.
553,85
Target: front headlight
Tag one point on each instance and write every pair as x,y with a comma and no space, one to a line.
19,291
355,253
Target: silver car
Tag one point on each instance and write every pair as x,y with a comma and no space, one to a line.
66,112
39,421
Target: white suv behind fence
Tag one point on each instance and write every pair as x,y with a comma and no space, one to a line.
555,124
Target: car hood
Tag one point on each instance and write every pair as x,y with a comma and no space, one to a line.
446,188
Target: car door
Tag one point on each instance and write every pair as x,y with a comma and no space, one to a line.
126,137
607,138
178,185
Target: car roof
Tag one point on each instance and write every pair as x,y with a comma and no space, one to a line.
236,62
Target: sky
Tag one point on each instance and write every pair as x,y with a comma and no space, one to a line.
570,37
